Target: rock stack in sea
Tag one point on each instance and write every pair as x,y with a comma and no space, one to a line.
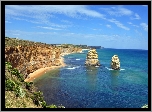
115,62
92,58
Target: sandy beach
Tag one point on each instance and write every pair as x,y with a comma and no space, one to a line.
41,71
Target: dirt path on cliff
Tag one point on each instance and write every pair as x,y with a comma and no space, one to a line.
41,71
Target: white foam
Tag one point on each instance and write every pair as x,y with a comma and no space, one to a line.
108,68
71,68
122,69
77,59
113,69
96,66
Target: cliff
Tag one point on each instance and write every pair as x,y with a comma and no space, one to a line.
25,57
29,56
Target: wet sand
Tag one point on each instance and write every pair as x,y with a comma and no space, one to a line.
41,71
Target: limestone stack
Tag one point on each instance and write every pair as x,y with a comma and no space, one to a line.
115,62
92,58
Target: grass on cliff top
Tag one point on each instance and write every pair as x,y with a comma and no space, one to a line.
20,94
15,42
10,42
12,101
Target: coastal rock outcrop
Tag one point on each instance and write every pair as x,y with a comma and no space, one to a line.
115,62
29,58
92,58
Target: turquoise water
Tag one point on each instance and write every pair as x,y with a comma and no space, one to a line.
78,86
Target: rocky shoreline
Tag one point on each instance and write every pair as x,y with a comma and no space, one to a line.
29,58
26,60
42,71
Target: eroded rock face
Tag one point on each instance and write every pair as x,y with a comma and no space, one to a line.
115,62
28,59
92,58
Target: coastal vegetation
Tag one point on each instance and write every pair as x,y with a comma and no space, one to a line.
21,58
20,94
10,42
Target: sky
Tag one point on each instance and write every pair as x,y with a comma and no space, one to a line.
109,26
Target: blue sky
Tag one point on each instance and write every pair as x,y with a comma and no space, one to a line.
110,26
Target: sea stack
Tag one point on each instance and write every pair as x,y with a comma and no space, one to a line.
92,58
115,63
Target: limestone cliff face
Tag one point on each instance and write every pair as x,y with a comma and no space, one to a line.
27,59
115,63
92,58
71,50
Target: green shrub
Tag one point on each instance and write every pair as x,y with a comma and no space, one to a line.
43,104
8,65
54,106
21,78
16,73
9,85
37,98
19,91
51,106
28,85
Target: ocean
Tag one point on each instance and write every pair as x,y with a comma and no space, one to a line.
79,86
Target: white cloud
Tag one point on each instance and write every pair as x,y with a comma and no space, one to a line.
129,22
132,24
118,11
21,19
94,29
42,14
16,34
145,26
8,22
49,28
66,21
46,11
135,25
136,16
118,24
109,26
37,22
